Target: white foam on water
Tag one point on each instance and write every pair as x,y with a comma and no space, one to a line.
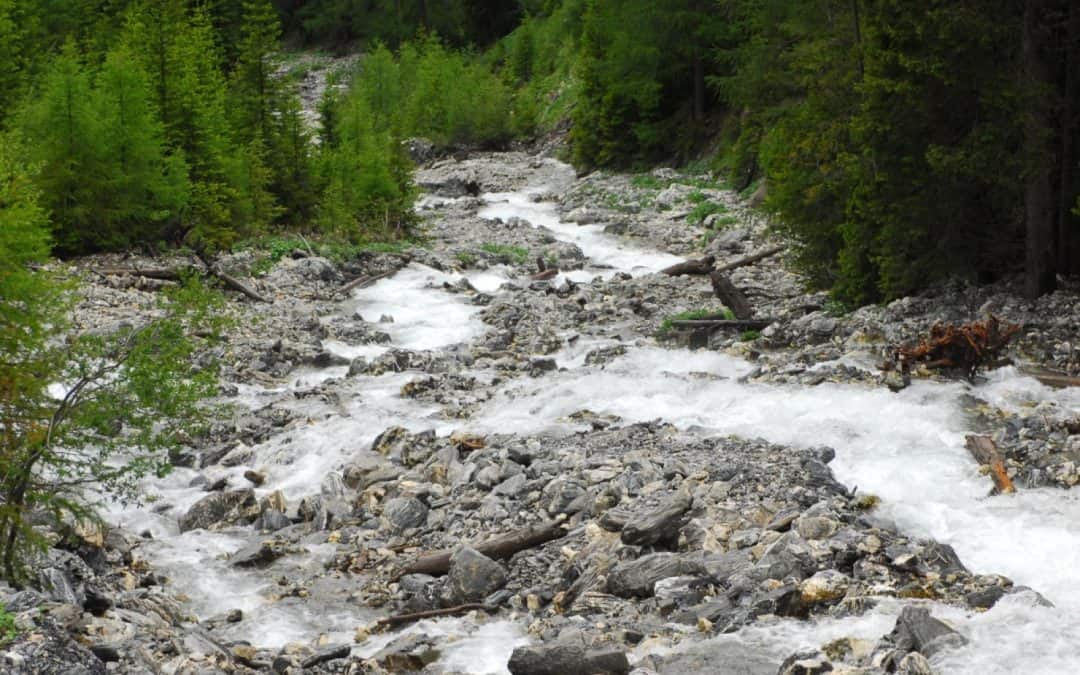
906,447
425,316
477,650
604,249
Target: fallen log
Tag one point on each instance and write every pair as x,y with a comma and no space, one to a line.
549,273
398,619
698,266
177,273
1051,378
985,451
363,282
731,296
237,285
498,548
162,273
750,259
737,324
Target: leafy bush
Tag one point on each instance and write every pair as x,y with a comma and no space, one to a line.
507,254
667,325
703,210
8,631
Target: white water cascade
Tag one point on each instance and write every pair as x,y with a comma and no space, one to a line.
906,448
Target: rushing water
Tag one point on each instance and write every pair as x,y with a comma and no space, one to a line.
905,447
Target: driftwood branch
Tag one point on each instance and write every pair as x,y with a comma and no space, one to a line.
237,285
750,259
177,273
985,451
698,266
1051,378
731,296
500,547
363,281
398,619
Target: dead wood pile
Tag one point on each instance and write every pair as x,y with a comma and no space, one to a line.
962,349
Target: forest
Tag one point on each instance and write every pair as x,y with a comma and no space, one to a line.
899,142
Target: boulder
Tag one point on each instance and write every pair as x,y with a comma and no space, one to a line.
404,513
472,577
657,525
637,578
567,659
219,507
917,631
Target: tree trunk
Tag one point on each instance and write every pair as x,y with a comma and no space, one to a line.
1039,195
1068,260
699,87
858,38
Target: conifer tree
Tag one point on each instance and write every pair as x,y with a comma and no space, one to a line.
141,189
64,137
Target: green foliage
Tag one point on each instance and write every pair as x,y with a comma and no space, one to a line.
342,23
126,398
466,258
889,138
450,98
749,335
369,192
8,630
667,325
14,55
703,210
505,253
648,181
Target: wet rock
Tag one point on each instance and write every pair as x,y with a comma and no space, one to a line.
807,663
404,513
218,508
914,664
271,521
985,598
659,524
826,586
567,659
472,577
258,554
917,631
407,654
729,658
327,654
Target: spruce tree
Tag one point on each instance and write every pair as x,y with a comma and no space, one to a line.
142,189
64,136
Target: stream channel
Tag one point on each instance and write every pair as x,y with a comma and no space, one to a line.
907,448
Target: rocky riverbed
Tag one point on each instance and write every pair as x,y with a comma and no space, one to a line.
761,504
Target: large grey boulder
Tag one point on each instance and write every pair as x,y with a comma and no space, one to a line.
219,507
472,577
567,659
